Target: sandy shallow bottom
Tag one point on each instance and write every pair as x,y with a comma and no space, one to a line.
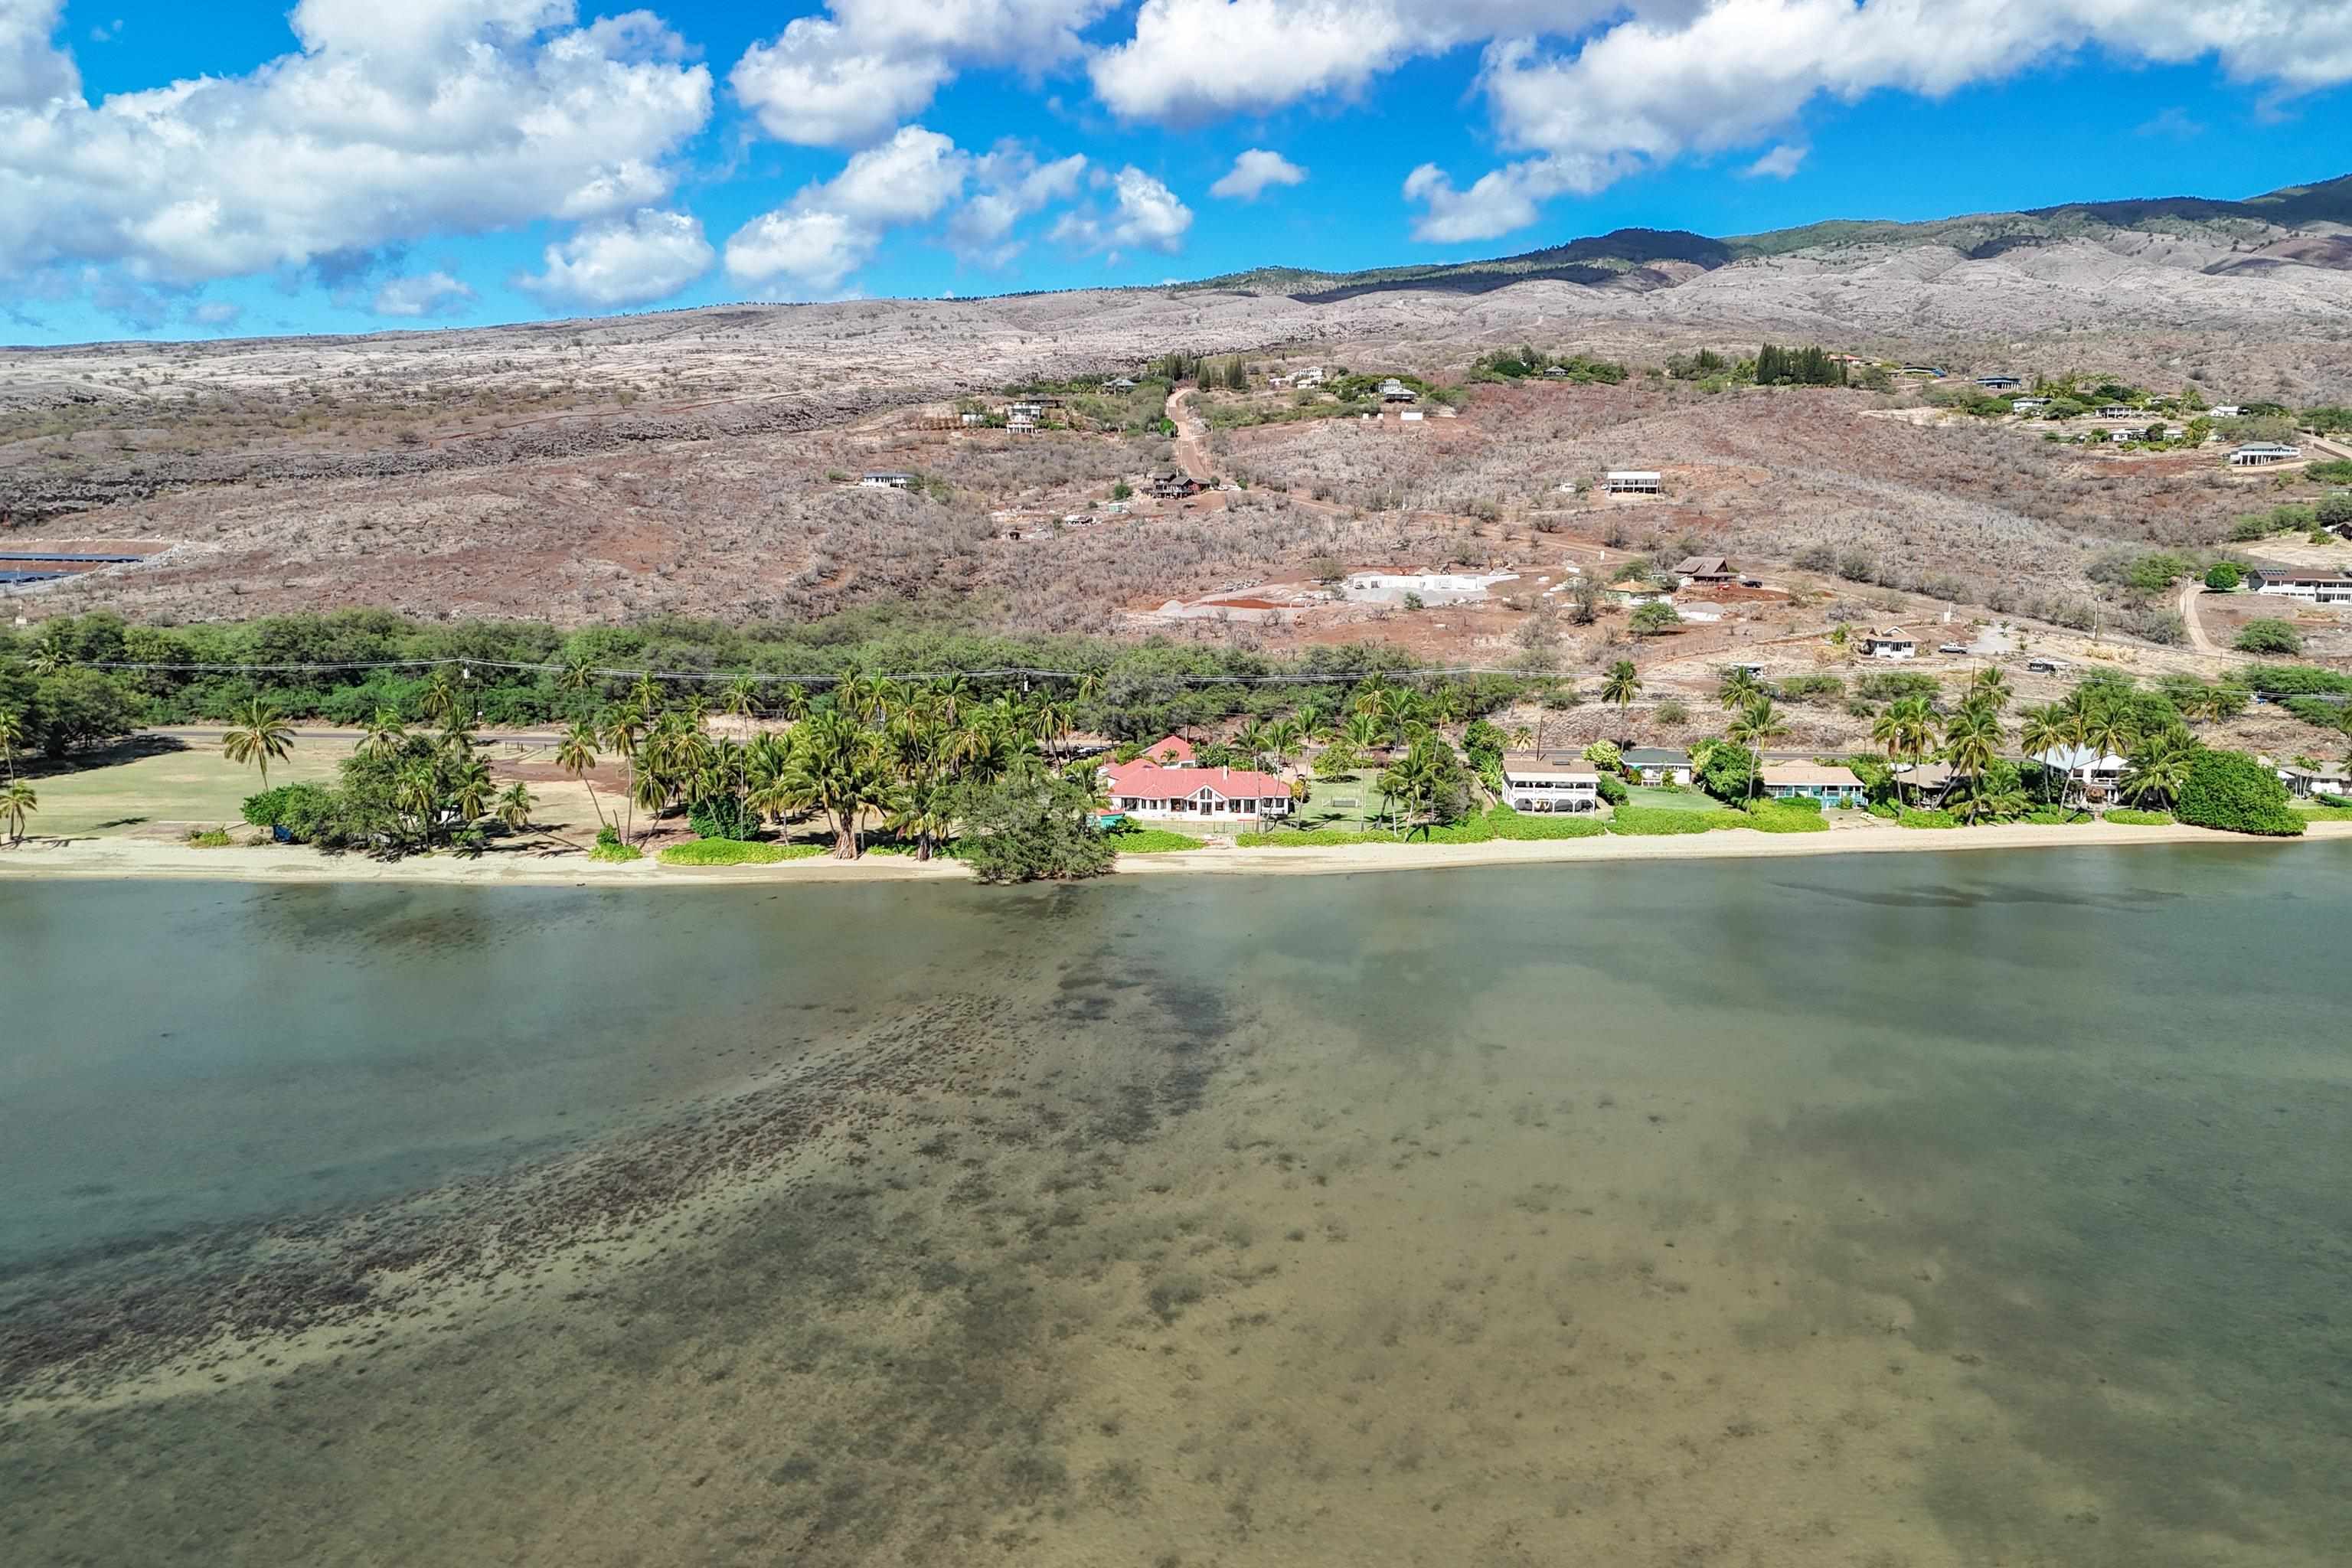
1355,1259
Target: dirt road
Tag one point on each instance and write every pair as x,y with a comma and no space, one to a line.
1192,438
2197,637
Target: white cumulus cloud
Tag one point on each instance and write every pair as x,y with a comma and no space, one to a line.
1145,216
646,256
423,294
1253,172
844,78
832,227
1010,185
389,123
1779,163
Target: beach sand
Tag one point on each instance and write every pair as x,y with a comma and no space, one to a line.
124,857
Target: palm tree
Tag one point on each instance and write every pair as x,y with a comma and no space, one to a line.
579,675
918,810
50,657
383,734
258,735
418,793
1620,685
2159,769
1972,742
515,807
2046,730
791,704
743,698
12,735
1758,724
1521,737
1739,688
575,754
836,768
470,789
1365,730
645,695
439,700
1990,682
2106,731
17,801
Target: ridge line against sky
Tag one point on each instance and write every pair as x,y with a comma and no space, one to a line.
347,166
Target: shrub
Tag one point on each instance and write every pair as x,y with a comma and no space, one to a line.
2268,637
304,810
2223,575
721,816
2231,791
735,852
207,838
1152,841
1612,789
1023,830
2129,817
1786,816
1912,816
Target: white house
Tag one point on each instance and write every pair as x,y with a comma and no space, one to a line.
1021,425
2254,454
886,479
1530,782
2094,775
1889,642
1812,781
2302,582
1311,377
2118,411
2226,411
2027,404
2309,782
1630,482
1395,391
1659,764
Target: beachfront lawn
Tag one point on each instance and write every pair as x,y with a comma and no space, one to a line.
1324,808
1652,822
1650,797
2311,811
2125,816
145,783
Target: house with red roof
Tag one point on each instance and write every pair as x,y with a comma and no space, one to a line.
1166,783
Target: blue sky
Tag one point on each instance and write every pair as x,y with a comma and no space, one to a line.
340,165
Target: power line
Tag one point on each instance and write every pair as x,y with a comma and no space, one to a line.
1024,672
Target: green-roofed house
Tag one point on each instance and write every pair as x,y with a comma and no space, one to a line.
1659,764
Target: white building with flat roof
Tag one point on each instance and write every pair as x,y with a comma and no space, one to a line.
1630,482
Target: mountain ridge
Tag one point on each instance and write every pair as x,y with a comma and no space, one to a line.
2304,225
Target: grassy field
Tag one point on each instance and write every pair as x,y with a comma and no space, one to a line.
1671,799
130,788
1321,810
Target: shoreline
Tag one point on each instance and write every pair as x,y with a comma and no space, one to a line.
110,859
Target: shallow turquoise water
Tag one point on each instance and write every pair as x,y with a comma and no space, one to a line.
1888,1210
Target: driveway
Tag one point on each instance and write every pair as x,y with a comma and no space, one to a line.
2197,637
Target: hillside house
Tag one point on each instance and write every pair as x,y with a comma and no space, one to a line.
1812,781
2310,585
1382,585
2027,404
1630,482
1889,642
2305,782
1311,377
1705,569
1998,382
2227,411
1171,752
1928,372
2257,454
1534,784
886,479
1659,764
1239,796
1172,484
2118,411
968,421
1395,391
1021,425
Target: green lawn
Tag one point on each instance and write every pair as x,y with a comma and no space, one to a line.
1322,808
1671,799
121,791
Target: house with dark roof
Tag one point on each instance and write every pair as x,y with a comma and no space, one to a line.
1705,569
1659,764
